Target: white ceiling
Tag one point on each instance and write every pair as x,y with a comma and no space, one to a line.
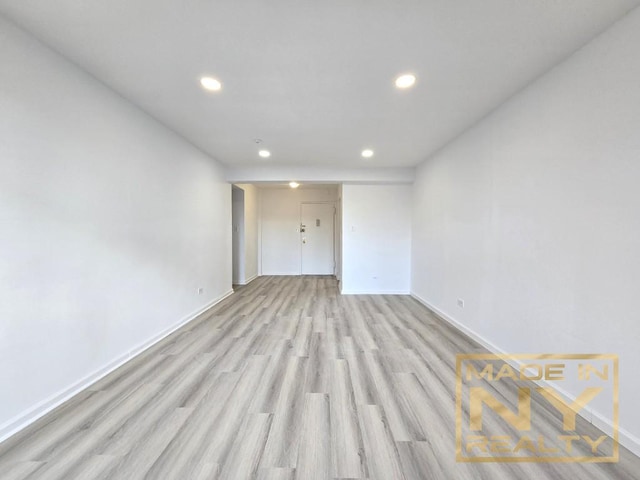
314,79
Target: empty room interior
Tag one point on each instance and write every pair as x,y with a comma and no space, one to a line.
319,240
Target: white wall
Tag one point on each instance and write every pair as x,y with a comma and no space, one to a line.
533,218
251,214
109,223
376,239
280,224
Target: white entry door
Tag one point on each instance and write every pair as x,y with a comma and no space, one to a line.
316,236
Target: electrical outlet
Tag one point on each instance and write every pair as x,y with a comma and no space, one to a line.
200,290
461,303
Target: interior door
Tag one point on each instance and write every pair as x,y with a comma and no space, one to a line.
316,237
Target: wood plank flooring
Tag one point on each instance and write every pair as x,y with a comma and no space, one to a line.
285,379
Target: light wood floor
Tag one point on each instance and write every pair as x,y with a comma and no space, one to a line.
285,379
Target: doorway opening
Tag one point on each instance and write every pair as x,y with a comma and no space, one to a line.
237,235
300,229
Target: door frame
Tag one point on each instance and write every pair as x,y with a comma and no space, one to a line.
335,212
237,236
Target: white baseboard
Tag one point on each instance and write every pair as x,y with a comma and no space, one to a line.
625,438
292,274
32,414
374,292
468,332
280,274
247,282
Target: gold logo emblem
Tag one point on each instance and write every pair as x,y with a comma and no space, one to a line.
514,408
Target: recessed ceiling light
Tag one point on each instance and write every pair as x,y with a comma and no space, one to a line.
264,153
211,84
294,184
367,153
405,81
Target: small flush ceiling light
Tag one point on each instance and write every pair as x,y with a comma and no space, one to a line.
406,80
211,84
264,153
367,153
294,184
